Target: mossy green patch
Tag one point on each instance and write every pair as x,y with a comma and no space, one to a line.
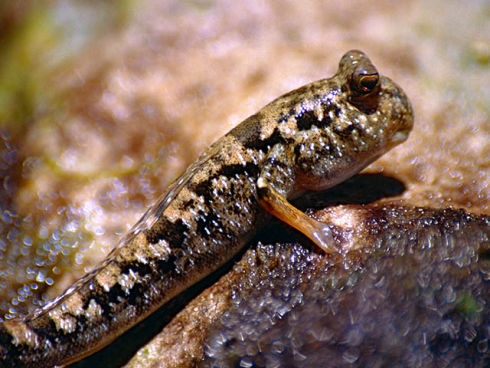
467,305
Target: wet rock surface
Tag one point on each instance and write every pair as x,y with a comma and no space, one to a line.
417,298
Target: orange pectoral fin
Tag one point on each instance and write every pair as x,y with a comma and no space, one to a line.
277,205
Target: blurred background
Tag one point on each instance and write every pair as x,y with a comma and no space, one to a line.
103,103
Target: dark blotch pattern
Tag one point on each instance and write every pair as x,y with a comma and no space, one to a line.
205,188
307,119
165,229
47,330
266,144
165,266
231,171
346,131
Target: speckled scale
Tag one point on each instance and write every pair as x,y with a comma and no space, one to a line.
311,138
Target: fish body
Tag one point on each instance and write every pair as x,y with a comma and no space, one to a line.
311,138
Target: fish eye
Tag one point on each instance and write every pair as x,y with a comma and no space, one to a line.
365,81
364,86
368,82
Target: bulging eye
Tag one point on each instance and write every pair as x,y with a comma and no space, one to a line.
364,85
365,79
367,83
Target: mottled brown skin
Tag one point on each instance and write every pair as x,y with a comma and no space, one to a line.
311,138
